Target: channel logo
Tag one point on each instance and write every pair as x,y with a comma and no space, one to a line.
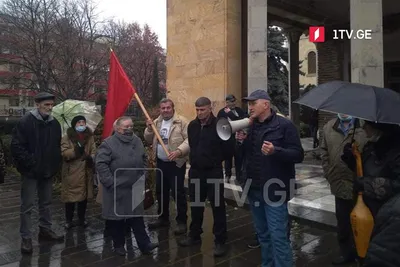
316,34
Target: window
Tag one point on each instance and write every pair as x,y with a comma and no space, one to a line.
14,101
312,63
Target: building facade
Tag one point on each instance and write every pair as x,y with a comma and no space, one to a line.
215,47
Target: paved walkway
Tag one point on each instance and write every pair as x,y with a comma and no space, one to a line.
312,246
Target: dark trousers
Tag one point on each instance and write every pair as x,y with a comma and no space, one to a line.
228,165
172,179
70,208
29,187
118,230
344,230
203,185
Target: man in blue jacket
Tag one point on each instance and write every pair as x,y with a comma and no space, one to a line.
272,146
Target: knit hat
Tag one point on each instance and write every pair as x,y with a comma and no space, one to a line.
76,119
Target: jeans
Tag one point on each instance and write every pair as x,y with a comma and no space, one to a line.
271,223
173,180
44,188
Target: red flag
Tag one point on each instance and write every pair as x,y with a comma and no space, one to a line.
119,95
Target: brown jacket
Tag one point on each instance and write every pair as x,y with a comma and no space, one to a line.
178,138
339,176
77,174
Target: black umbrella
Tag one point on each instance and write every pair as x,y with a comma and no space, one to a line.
362,101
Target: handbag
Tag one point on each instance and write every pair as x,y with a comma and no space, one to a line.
148,198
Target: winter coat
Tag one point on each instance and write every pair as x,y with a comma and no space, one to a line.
381,170
339,176
120,161
77,172
384,249
35,146
262,169
178,137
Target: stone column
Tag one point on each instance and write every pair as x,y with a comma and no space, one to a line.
257,31
294,72
367,55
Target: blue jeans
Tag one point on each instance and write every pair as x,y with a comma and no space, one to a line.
271,223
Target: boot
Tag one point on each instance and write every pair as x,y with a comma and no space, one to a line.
50,235
26,245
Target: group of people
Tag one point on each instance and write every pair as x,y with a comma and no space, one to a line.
271,143
265,155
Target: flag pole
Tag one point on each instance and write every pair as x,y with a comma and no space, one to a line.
136,96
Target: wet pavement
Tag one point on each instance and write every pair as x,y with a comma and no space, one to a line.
312,245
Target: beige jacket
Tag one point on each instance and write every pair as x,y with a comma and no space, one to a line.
77,174
178,138
339,176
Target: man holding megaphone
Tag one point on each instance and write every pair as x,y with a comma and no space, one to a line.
271,148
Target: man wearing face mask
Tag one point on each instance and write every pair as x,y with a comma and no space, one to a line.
336,134
173,131
35,148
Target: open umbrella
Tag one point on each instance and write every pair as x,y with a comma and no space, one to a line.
67,110
358,100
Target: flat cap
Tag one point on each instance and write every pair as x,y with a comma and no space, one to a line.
258,94
42,96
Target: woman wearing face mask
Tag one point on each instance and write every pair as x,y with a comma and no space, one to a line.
381,191
120,160
78,149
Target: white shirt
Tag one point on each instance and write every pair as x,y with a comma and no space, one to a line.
164,133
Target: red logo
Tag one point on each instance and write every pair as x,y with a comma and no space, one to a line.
316,34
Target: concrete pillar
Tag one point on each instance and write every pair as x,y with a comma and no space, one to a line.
294,84
257,31
367,55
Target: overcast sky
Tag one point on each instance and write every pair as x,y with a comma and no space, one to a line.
152,12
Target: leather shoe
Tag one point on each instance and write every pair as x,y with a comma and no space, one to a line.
26,246
343,260
220,250
50,235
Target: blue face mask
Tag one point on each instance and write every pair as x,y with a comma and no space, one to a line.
349,118
80,128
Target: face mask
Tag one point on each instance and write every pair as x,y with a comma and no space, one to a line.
80,128
128,132
349,118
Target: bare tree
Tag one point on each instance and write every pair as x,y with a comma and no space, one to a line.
56,44
27,27
136,48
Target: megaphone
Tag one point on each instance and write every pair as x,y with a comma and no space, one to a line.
226,128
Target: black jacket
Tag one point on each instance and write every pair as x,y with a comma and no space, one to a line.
381,169
207,150
36,146
384,248
281,164
231,115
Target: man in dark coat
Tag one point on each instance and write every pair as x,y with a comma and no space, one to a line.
207,151
36,151
232,113
270,151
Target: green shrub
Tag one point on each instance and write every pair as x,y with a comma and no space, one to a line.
7,151
304,130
